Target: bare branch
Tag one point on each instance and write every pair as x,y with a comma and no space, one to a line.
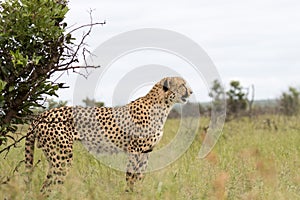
73,54
77,67
12,145
12,138
88,25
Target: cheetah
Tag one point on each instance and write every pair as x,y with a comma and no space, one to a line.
135,128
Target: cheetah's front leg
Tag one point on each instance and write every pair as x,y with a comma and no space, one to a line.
136,166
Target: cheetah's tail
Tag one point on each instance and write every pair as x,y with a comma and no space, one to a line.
29,148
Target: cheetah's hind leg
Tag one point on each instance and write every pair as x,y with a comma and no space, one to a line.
60,159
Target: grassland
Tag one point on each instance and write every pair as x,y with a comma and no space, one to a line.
252,160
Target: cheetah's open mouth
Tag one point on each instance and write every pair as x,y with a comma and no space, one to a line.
184,97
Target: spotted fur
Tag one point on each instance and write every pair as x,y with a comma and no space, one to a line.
135,128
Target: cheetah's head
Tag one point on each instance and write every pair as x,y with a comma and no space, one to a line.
175,88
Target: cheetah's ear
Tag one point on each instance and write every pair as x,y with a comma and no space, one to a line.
166,85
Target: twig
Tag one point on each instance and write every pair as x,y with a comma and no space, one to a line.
73,54
18,165
88,25
6,179
12,145
77,67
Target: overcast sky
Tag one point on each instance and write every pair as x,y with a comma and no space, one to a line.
256,42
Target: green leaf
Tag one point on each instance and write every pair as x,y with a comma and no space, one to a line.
11,88
3,139
2,85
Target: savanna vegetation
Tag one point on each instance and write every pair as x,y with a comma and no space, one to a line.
253,159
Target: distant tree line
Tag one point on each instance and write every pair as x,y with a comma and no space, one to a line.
240,102
51,103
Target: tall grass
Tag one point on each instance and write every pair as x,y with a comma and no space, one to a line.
251,160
